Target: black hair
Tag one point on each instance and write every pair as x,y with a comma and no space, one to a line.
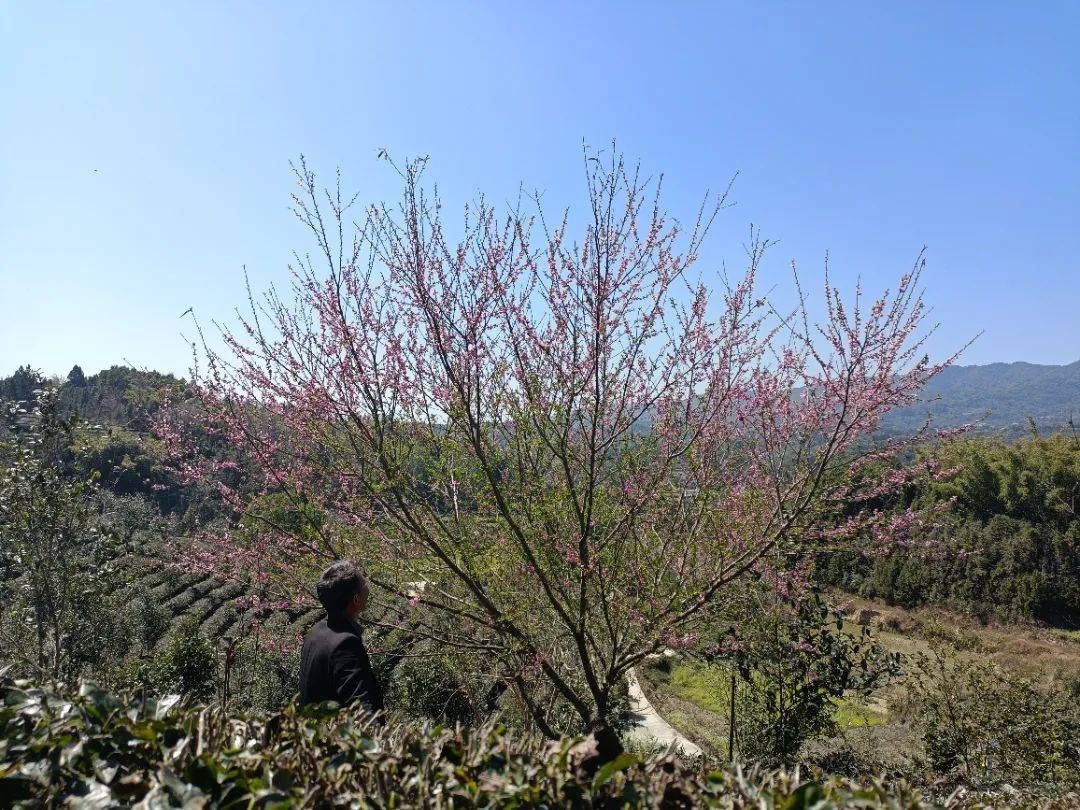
339,583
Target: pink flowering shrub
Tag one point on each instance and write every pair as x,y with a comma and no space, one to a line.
575,444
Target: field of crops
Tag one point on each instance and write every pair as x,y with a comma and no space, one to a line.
210,602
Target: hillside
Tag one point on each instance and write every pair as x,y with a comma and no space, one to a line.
880,727
999,397
800,684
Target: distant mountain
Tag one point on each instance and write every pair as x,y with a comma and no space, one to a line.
1000,397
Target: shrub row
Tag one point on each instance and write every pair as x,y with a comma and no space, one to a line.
107,750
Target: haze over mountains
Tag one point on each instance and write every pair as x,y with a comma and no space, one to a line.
1001,398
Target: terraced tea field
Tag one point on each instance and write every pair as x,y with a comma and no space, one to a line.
210,602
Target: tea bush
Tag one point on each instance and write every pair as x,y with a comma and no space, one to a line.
186,664
108,751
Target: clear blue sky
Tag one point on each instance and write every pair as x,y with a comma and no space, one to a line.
144,147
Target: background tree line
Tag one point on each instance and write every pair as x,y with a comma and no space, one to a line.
1005,541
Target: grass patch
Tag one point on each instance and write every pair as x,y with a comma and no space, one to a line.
707,687
1068,635
854,713
712,736
1039,653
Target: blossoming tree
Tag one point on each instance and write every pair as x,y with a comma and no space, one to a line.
575,445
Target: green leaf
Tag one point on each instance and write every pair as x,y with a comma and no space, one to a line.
96,797
805,796
620,763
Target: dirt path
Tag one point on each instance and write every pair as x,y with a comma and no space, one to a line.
649,727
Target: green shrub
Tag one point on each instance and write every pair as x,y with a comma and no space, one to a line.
273,679
989,726
188,664
795,661
149,621
185,665
117,751
100,634
431,687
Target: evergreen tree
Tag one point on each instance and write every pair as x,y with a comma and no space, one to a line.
21,385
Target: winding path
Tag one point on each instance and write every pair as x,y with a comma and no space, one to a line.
649,727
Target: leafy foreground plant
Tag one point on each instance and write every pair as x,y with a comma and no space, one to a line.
99,750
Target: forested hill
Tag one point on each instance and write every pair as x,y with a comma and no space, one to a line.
119,396
1000,397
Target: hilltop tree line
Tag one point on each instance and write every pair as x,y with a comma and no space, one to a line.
112,412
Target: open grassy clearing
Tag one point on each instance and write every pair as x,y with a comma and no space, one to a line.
1045,655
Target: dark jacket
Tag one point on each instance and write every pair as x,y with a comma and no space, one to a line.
334,666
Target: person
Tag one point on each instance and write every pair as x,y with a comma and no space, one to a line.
333,663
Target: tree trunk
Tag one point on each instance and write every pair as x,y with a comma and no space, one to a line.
731,720
57,647
608,745
41,642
